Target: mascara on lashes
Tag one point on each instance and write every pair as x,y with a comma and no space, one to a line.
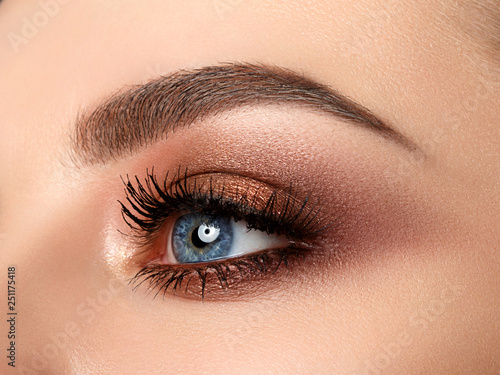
272,211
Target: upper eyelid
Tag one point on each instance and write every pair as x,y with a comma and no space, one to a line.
151,199
144,114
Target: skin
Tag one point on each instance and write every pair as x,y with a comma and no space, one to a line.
409,285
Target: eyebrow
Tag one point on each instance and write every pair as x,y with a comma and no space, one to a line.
145,114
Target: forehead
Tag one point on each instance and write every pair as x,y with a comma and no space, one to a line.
478,21
60,59
177,33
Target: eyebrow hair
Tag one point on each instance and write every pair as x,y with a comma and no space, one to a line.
144,114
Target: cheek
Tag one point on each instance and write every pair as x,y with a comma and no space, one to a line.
58,273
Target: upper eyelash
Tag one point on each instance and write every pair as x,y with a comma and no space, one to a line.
153,203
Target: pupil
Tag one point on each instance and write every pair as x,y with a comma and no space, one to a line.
197,240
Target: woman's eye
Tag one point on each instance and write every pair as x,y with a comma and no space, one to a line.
211,235
201,238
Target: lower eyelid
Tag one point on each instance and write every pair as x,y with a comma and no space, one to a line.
234,279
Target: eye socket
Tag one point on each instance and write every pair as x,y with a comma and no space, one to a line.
199,238
217,235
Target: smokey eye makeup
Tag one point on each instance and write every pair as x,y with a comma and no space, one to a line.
265,148
207,235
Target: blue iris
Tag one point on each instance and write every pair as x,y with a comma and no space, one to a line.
201,238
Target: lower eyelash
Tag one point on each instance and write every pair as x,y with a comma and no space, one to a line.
218,277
